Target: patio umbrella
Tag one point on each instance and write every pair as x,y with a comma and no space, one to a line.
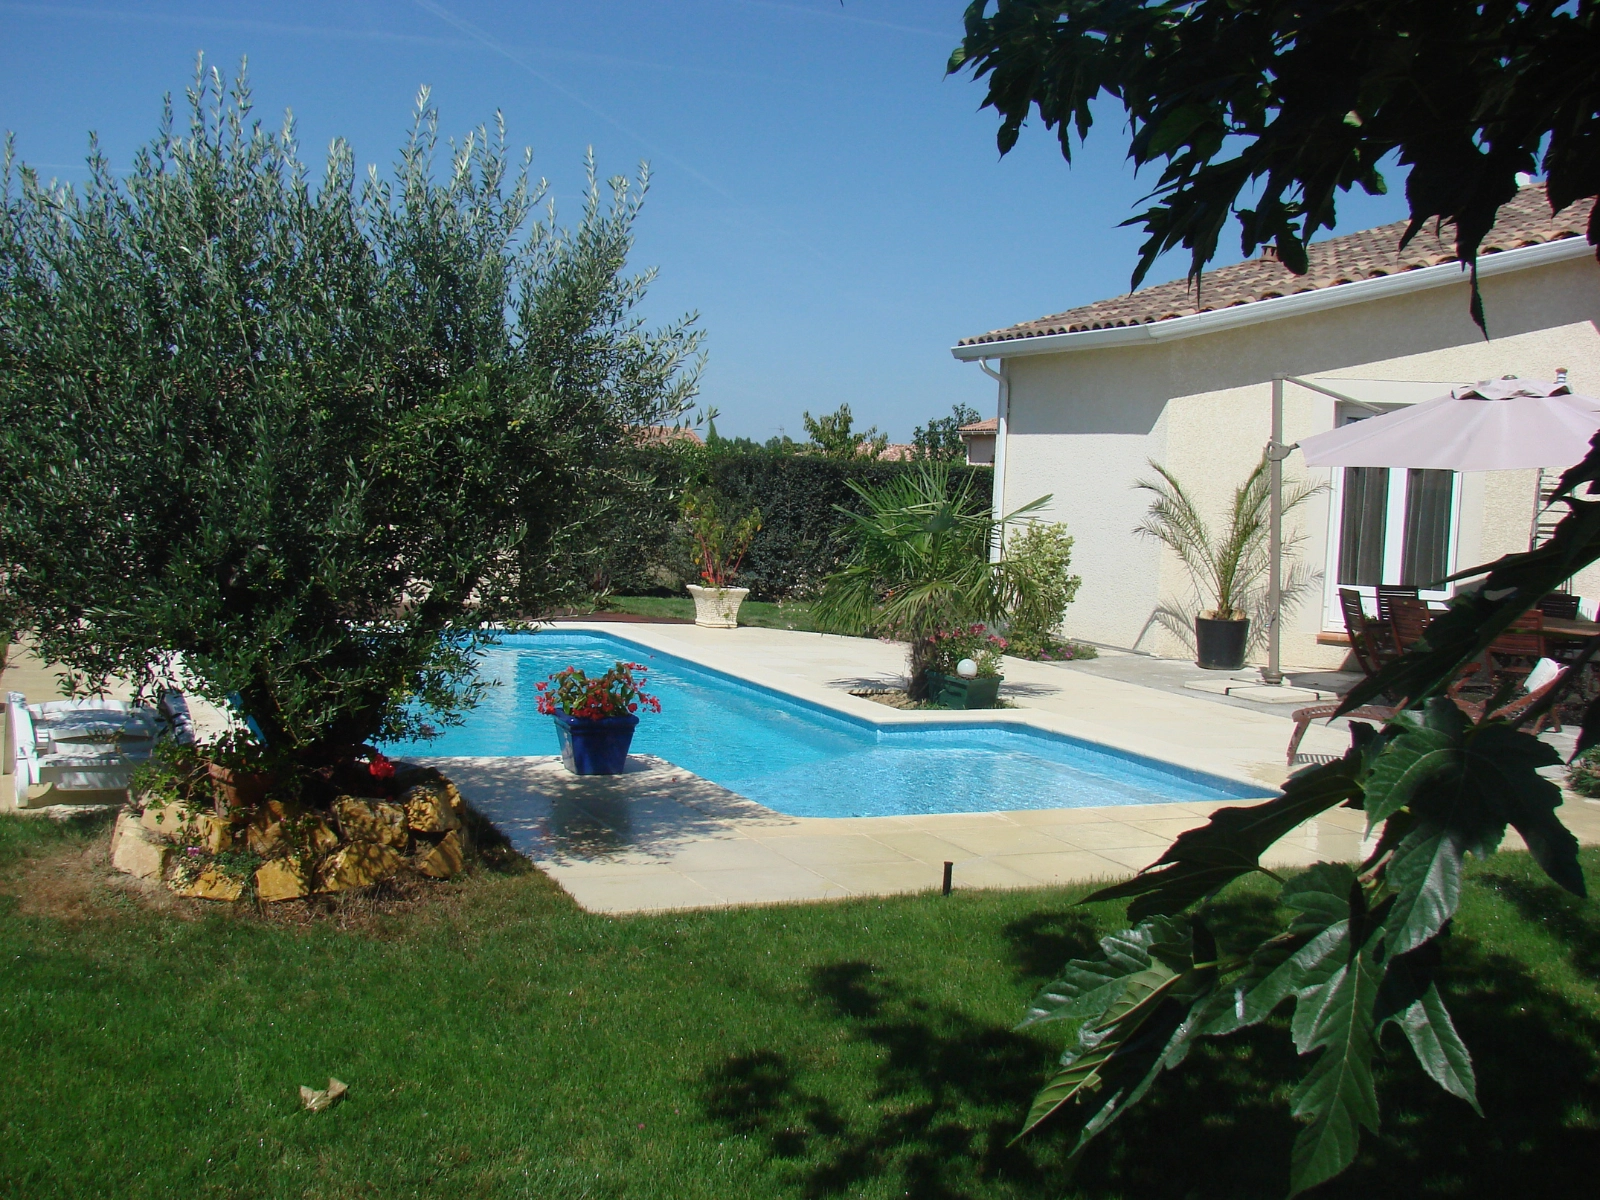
1498,425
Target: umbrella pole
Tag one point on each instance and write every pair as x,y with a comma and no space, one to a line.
1274,671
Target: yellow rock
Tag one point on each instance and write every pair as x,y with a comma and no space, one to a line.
215,833
358,864
320,837
282,879
443,860
428,811
212,884
371,821
136,851
169,820
453,796
265,840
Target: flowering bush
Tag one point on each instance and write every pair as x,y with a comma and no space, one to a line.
614,694
950,646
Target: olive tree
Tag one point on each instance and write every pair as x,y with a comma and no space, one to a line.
293,442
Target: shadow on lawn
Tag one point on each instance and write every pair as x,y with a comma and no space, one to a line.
948,1092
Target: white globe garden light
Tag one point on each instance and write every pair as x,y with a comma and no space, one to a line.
967,669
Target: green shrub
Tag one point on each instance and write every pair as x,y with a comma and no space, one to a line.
1045,551
803,534
1583,776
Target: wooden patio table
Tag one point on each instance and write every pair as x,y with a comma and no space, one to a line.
1569,629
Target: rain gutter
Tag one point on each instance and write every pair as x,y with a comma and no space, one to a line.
1258,311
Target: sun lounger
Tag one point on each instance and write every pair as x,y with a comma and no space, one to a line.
87,745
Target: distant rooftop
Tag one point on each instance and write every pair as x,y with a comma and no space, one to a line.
1370,254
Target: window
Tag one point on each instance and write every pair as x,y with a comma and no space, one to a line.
1390,525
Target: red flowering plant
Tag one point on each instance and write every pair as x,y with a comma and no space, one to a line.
950,646
615,694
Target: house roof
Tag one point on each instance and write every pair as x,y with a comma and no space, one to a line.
1370,254
979,428
660,435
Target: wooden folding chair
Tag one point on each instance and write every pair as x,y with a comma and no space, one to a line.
1409,618
1561,605
1387,595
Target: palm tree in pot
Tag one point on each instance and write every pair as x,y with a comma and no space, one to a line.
920,563
1226,564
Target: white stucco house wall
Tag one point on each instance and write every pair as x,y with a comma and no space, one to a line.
1089,397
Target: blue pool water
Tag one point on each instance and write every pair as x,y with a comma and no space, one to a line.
808,761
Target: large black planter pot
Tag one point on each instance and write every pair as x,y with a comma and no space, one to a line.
1220,643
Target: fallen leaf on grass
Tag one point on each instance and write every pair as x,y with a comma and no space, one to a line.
317,1101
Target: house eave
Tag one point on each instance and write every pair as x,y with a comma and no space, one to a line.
1279,307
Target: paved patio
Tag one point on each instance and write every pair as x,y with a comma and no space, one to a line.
661,838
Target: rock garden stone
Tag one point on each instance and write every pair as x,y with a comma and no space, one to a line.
428,810
212,884
136,851
371,821
167,819
358,864
282,879
215,833
443,860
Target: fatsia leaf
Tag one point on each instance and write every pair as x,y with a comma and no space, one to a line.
1142,1032
1504,764
1415,755
1438,1047
1204,860
1337,1096
1083,1067
1275,972
1088,987
1425,874
1319,895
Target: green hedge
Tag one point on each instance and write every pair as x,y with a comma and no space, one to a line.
637,546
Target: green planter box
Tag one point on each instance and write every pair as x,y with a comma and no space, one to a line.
952,691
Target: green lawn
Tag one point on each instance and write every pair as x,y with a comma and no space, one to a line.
794,615
504,1043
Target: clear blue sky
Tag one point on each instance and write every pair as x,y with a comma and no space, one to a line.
830,203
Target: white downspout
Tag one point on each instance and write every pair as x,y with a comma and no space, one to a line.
1002,419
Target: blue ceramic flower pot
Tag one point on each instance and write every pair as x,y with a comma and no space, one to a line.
595,746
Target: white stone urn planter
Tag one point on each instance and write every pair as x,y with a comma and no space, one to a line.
717,608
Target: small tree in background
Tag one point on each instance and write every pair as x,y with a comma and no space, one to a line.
831,434
301,441
1045,548
940,439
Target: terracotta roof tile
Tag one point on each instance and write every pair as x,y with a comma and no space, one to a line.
992,425
1369,254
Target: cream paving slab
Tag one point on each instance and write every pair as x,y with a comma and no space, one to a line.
921,845
887,878
822,850
1072,867
767,885
1007,839
1104,836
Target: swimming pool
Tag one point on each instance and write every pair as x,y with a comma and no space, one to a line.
809,761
